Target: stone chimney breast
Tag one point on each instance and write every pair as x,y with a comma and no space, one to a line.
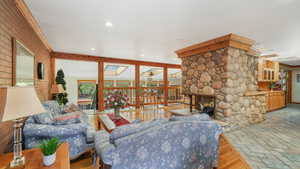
225,67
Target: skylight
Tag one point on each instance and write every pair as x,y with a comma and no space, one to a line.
114,70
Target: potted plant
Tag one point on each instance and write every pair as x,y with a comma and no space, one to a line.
48,148
116,100
272,85
61,98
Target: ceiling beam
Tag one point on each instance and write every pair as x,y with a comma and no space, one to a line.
72,56
25,11
289,66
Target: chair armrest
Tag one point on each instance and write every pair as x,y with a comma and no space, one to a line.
41,130
104,149
90,134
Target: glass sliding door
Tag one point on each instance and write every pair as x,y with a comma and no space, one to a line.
174,86
81,79
151,85
120,77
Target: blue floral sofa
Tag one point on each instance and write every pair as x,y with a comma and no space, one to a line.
179,143
79,134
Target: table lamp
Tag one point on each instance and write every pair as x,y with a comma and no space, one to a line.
15,104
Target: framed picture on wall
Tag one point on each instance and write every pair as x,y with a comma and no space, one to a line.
86,89
23,65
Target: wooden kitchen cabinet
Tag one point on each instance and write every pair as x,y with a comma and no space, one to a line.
268,71
275,100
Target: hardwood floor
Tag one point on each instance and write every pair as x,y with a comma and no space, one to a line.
229,158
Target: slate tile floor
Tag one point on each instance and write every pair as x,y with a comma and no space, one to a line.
272,144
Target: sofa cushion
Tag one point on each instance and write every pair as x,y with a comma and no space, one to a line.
130,129
69,108
195,117
43,118
52,106
67,116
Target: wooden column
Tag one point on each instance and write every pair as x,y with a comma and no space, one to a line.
52,76
52,70
137,85
100,85
166,84
14,50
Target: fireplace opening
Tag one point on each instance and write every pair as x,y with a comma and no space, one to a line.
203,103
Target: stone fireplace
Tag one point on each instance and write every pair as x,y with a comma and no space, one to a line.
226,68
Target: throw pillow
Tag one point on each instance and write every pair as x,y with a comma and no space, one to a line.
69,108
130,129
43,118
68,116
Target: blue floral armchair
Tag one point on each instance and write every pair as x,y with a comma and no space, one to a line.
79,135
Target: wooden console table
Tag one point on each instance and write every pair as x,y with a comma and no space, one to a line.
33,159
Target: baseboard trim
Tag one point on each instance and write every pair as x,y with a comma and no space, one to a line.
295,103
276,109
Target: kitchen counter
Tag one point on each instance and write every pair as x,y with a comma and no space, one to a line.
255,93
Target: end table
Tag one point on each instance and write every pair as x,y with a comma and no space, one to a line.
34,159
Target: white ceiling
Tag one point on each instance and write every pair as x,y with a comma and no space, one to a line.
156,28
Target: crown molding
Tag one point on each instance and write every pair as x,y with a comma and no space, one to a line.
230,40
25,11
289,66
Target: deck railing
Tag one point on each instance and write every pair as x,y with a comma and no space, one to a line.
149,95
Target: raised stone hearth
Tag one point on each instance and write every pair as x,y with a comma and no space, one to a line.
227,68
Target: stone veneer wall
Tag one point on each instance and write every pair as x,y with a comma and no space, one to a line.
227,73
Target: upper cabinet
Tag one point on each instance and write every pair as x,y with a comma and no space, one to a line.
268,71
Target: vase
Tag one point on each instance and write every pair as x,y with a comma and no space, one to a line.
117,113
49,160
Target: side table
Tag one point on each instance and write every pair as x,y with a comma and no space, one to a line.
34,159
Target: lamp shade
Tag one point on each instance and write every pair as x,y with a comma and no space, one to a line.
17,102
57,88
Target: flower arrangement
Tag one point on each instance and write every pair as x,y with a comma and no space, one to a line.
116,99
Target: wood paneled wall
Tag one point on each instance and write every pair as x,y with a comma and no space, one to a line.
14,25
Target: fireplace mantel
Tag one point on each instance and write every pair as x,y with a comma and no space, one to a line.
230,40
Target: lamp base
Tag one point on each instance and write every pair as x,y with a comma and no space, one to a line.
18,163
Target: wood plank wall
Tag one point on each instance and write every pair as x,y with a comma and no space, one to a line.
14,25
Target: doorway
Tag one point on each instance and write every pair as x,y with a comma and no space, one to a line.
296,86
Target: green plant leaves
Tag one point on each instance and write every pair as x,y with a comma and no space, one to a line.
49,147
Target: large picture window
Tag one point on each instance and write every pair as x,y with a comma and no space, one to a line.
24,71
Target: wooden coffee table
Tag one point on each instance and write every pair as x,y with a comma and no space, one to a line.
33,158
105,122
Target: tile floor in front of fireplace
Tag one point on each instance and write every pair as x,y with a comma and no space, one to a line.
272,144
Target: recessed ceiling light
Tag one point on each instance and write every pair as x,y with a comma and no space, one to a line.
108,24
142,55
93,49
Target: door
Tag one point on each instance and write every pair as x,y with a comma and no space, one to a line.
296,86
